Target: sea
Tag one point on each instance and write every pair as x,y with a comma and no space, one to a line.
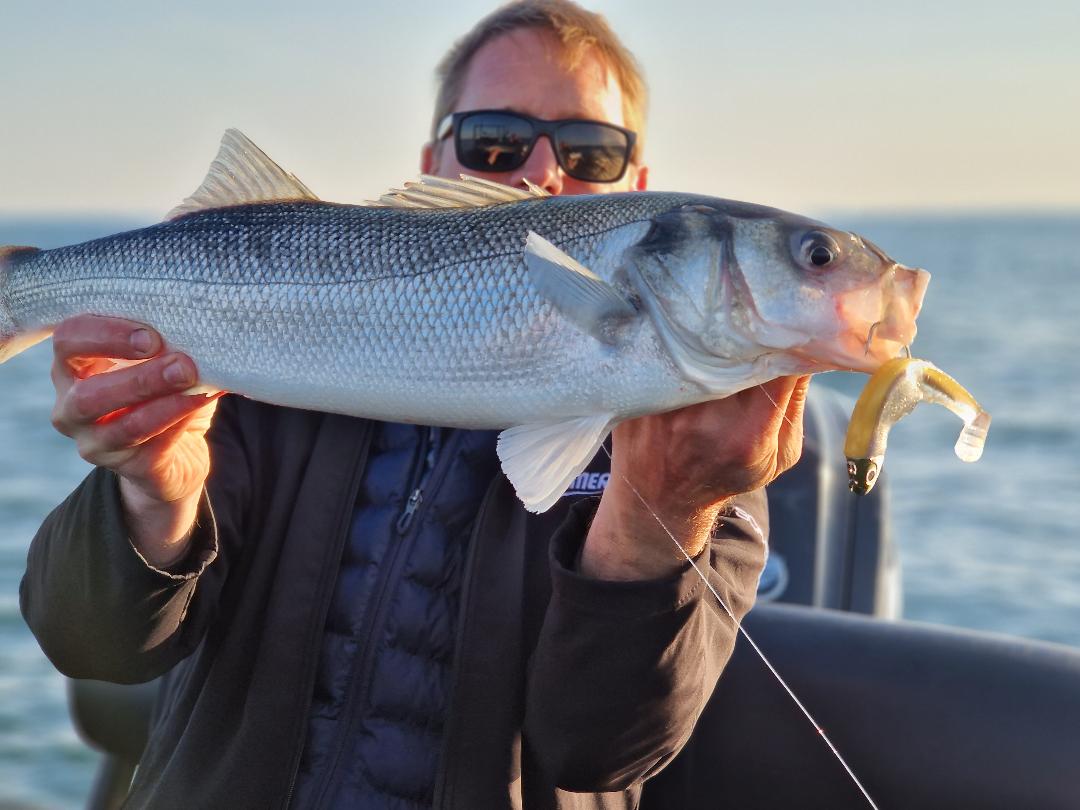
993,546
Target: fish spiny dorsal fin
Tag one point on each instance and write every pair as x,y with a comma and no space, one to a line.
242,173
468,192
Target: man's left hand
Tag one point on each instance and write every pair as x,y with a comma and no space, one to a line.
686,465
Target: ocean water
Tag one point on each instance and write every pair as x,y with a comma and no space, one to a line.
993,545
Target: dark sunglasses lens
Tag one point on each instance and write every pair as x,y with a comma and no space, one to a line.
593,152
490,142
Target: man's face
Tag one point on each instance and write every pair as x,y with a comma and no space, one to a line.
521,71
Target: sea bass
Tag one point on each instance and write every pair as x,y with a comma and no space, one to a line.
471,304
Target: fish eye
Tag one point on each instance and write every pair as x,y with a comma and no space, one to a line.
820,255
818,250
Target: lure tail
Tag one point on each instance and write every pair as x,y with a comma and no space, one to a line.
12,340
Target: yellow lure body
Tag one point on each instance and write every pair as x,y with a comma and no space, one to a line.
891,393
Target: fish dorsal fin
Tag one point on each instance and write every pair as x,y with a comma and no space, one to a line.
468,192
242,173
581,296
542,459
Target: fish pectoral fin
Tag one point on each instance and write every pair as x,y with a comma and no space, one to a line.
585,299
442,192
241,173
541,459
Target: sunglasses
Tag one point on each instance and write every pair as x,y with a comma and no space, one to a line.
501,141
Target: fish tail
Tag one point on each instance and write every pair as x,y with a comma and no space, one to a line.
12,339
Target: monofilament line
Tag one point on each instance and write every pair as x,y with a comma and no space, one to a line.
768,396
751,641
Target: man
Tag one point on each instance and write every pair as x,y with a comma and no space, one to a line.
360,614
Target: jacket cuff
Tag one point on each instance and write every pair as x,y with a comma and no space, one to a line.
204,543
632,599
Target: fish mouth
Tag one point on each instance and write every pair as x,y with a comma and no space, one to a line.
877,322
905,304
895,329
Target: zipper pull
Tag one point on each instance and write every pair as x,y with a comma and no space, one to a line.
411,506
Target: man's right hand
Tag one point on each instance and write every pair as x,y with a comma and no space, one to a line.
135,421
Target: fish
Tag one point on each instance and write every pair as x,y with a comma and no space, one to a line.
466,303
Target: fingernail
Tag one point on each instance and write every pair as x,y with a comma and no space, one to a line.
176,373
141,341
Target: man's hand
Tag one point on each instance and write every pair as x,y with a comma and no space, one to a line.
686,465
135,421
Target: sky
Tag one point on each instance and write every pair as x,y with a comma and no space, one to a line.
833,105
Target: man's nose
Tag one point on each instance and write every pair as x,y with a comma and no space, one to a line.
541,168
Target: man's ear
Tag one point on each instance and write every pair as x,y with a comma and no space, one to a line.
641,178
427,158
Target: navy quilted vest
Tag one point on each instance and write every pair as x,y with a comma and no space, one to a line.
384,675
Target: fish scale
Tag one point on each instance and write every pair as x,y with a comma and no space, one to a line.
269,273
552,317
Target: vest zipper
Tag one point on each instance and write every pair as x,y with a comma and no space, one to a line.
429,456
411,506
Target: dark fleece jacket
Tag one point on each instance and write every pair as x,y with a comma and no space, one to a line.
568,691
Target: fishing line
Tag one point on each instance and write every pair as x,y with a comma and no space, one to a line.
765,391
751,641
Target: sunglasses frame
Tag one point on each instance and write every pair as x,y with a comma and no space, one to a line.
549,128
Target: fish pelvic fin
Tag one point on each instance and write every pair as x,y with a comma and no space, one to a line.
542,459
12,342
242,173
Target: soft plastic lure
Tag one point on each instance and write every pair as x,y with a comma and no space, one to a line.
891,394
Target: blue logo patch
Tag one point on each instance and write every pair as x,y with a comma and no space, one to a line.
588,483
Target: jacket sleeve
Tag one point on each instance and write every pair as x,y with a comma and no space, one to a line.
96,607
622,670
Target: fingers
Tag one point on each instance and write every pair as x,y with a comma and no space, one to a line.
779,391
83,346
797,400
789,441
703,453
786,395
90,336
109,444
92,399
121,400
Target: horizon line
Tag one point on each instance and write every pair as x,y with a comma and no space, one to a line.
1061,211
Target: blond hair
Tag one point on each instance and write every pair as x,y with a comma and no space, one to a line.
579,32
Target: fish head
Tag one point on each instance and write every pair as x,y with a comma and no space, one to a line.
823,295
869,301
729,282
683,270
